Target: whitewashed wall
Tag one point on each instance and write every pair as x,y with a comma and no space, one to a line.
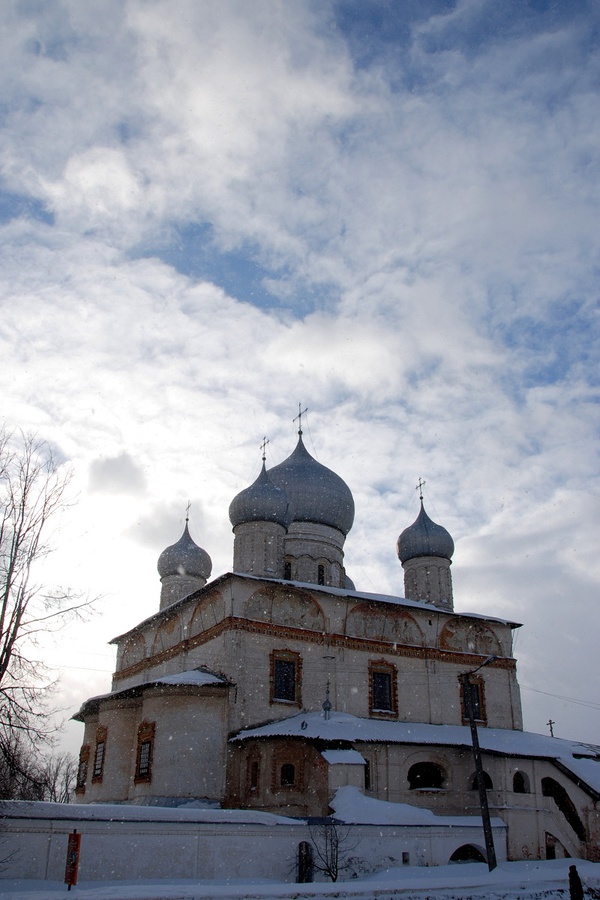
143,842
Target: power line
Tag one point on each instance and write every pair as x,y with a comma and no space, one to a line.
588,703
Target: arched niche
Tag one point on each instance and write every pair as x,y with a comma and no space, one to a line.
168,635
394,626
207,613
285,606
134,651
467,853
471,637
426,776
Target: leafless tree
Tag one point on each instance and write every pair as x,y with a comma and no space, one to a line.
331,844
33,492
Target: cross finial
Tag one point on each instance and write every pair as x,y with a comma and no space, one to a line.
551,723
263,447
187,512
419,488
299,418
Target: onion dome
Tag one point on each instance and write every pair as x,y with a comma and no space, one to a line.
315,492
424,538
185,558
261,502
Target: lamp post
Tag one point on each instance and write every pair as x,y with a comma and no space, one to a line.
467,684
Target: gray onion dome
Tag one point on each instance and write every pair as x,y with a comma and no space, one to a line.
261,502
185,558
424,538
315,492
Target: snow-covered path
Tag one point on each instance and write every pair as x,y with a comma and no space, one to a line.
546,880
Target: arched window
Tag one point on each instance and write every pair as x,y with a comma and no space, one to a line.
486,780
551,788
254,774
287,775
320,574
287,570
520,783
426,776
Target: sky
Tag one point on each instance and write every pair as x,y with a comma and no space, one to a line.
213,211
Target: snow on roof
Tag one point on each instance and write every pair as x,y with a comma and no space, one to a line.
343,757
125,812
351,806
344,727
194,676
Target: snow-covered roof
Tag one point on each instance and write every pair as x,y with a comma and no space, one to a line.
126,812
343,757
195,677
582,760
351,806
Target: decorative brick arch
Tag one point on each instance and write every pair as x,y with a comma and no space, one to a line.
472,637
394,626
207,613
168,635
134,651
287,606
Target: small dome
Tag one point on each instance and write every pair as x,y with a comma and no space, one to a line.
315,492
185,558
424,538
261,502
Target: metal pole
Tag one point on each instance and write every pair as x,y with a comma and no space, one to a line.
483,799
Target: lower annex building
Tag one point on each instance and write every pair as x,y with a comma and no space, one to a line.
275,684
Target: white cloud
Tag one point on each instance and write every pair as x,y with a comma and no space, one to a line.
429,221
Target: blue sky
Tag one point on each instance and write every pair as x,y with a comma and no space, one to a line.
386,210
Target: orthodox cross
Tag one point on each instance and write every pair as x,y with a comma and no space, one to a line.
550,723
263,447
419,488
187,512
299,417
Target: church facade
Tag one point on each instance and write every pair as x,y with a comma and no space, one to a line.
274,685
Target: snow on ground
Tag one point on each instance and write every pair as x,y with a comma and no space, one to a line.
535,880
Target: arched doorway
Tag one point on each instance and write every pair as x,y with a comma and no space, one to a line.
466,854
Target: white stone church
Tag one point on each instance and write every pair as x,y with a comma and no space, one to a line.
274,685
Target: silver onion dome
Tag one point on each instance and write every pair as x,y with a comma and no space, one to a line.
185,558
424,538
315,492
263,501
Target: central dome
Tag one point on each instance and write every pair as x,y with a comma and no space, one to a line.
316,494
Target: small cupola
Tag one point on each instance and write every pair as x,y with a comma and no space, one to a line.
183,568
425,550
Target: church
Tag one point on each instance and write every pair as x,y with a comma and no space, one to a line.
275,685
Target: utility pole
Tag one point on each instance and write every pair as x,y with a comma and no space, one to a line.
467,686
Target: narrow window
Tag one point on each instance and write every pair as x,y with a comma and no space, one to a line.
82,769
520,783
285,676
254,772
99,754
382,689
287,570
489,785
472,698
145,752
320,574
367,775
287,776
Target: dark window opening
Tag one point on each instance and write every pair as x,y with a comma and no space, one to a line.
287,776
382,691
82,769
367,775
145,752
254,772
320,574
489,786
426,775
99,760
520,783
473,700
287,570
285,680
467,853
